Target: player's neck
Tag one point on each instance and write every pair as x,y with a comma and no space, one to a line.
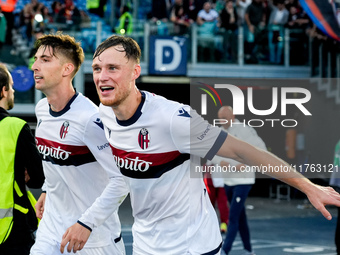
60,98
128,108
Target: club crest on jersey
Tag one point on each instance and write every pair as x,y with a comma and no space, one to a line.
64,129
144,138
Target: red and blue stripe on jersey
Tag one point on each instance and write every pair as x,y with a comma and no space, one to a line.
147,165
64,154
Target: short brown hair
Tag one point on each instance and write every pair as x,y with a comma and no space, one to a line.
65,45
131,47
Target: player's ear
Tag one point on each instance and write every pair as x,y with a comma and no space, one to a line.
136,71
3,92
68,69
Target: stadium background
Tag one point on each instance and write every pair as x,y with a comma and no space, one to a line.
308,62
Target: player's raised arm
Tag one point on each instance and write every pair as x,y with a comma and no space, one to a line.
243,152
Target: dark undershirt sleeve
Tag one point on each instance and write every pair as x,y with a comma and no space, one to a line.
28,157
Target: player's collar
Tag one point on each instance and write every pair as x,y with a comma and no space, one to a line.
66,108
135,116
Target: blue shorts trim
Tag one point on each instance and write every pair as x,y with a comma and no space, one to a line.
213,252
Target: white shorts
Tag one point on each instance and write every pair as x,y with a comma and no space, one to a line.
44,246
134,252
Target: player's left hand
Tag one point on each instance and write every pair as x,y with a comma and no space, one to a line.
76,237
320,196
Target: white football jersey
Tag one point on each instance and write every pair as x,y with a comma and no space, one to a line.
78,163
171,207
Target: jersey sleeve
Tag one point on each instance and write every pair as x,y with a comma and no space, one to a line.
44,187
117,189
194,135
95,140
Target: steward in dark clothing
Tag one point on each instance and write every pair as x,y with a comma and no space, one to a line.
26,158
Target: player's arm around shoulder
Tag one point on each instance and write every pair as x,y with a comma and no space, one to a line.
77,235
114,193
245,153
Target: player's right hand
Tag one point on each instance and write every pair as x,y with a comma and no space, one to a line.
40,205
76,237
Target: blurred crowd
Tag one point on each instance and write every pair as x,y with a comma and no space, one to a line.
34,17
263,22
